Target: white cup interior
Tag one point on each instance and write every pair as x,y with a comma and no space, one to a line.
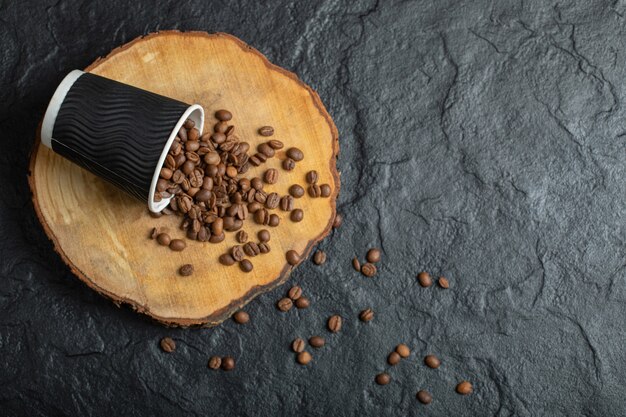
194,112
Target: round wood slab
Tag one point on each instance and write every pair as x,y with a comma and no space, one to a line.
102,233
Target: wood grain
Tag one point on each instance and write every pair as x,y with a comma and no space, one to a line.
102,234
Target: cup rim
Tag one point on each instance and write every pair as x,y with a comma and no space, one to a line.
194,112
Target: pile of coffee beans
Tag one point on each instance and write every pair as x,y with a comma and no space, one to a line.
368,269
294,297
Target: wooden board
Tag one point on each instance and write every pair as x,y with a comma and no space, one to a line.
101,233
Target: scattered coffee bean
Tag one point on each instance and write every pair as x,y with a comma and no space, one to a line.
338,221
424,279
286,203
237,253
369,270
295,154
223,115
403,350
242,236
325,190
298,345
304,358
464,388
241,317
314,190
264,235
177,245
302,303
383,379
424,397
168,345
294,292
432,361
264,247
275,144
443,282
319,258
154,233
228,363
271,176
289,164
186,270
266,131
296,191
215,362
366,315
284,304
317,341
356,264
251,249
245,265
292,257
334,323
393,358
373,255
164,239
296,215
226,259
274,220
311,177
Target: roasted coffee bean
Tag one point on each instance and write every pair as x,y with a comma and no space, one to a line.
284,304
271,176
286,203
311,177
424,397
154,233
272,201
192,235
373,255
212,158
296,215
204,234
223,115
262,216
226,259
314,190
241,317
242,236
264,235
266,150
295,154
294,292
180,160
230,130
289,164
464,388
186,270
170,162
298,345
443,282
256,183
178,176
192,146
432,361
168,345
260,156
254,206
177,245
217,238
274,220
228,363
304,358
366,315
218,138
162,185
292,257
203,195
317,341
356,264
182,134
276,144
166,173
220,127
157,197
383,379
231,171
368,269
302,302
217,227
254,161
334,323
403,350
319,258
264,247
193,134
325,190
246,265
251,249
424,279
237,253
296,191
164,239
215,362
260,196
393,358
266,131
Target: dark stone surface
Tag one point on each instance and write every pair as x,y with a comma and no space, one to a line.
483,140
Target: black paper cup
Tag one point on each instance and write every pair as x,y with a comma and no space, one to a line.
116,131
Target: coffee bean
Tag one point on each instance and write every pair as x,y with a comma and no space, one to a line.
226,259
295,154
261,157
266,131
284,304
393,358
432,361
296,215
254,161
264,235
217,227
262,216
403,350
334,323
256,183
275,144
325,190
223,115
366,315
424,279
193,134
311,177
464,388
251,249
272,201
212,158
177,245
443,282
218,138
168,345
292,257
373,255
215,362
154,233
296,191
298,345
164,239
302,303
271,176
294,292
304,358
383,379
289,164
368,269
241,317
231,171
228,363
182,134
220,127
319,258
237,253
424,397
186,270
246,265
356,264
264,247
317,341
314,191
274,220
242,236
266,149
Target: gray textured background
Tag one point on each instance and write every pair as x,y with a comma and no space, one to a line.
484,140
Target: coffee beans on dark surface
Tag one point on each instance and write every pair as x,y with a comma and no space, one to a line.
424,397
383,379
432,361
215,362
302,302
366,315
241,317
319,257
284,304
317,341
424,279
368,269
464,388
168,345
298,345
334,323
